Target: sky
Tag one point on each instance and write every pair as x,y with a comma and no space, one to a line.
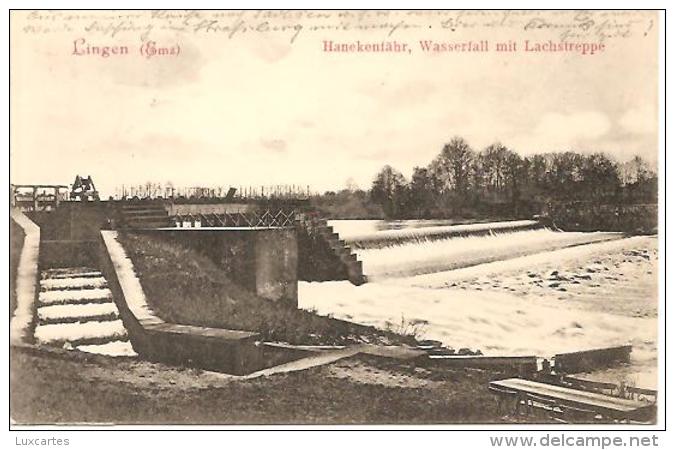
262,110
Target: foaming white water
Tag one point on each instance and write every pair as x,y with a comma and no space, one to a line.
375,230
428,256
501,322
548,259
498,323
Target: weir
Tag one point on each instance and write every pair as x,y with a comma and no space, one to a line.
266,252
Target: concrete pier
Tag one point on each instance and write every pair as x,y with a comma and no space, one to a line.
262,260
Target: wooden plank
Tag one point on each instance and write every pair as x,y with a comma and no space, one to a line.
600,402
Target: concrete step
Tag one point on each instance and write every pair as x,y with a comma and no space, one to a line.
133,206
358,280
51,284
75,296
94,274
153,215
155,224
70,272
111,348
355,272
146,219
332,237
84,319
339,248
348,257
84,312
81,333
148,224
76,311
326,231
144,210
337,245
141,212
145,216
355,264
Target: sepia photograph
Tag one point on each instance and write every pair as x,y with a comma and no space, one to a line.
336,218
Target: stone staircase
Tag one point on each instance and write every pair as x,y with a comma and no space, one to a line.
76,311
354,267
138,215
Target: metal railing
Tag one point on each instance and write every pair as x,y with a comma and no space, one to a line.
262,219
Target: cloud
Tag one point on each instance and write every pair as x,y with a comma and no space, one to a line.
398,93
303,123
268,49
158,145
561,129
305,117
161,71
274,145
640,120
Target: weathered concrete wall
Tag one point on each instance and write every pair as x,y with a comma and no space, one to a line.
16,239
69,234
27,276
264,261
215,208
276,265
230,351
234,251
587,360
511,365
57,254
78,221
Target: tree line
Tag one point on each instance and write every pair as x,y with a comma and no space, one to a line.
495,182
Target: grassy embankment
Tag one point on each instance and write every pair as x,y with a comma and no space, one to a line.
183,286
63,389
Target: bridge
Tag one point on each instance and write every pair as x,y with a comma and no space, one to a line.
37,197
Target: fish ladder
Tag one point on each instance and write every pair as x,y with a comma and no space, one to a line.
317,231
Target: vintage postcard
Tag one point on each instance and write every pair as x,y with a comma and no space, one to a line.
335,217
